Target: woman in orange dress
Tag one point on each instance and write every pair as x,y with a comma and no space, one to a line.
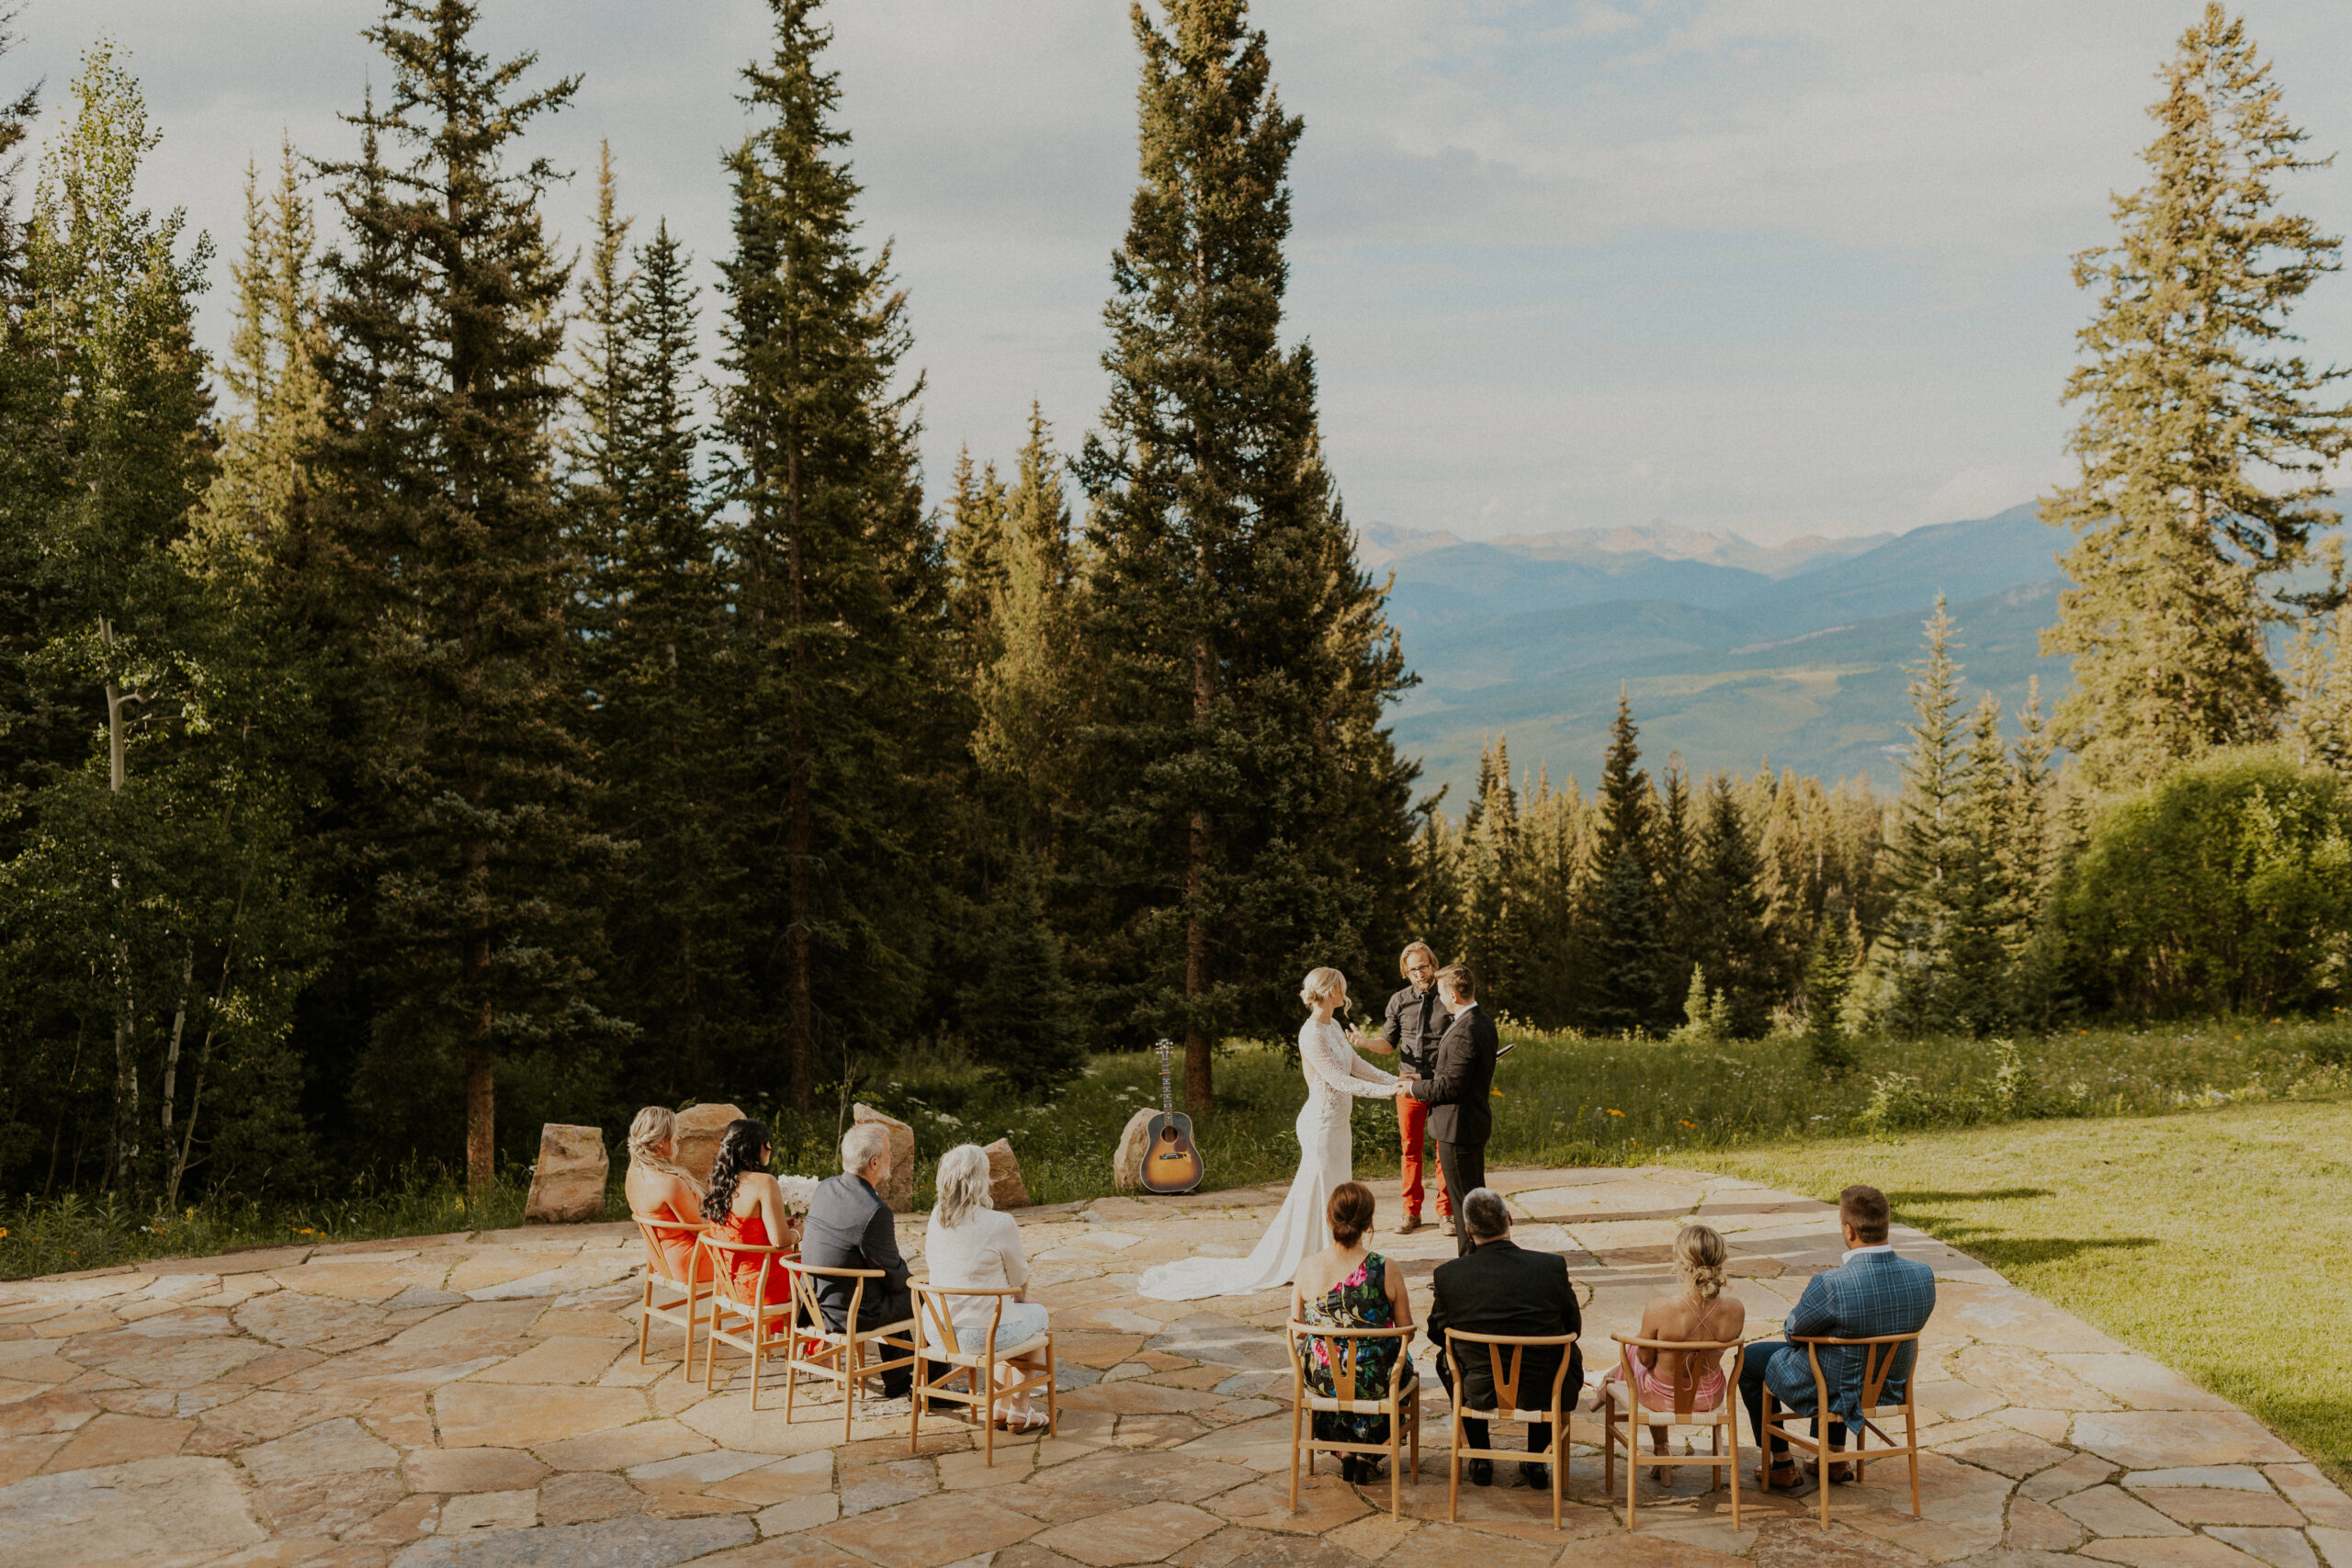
661,1189
746,1205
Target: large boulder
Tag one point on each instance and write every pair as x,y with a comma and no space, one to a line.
1126,1165
698,1130
1006,1190
568,1186
899,1190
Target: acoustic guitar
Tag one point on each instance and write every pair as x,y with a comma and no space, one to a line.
1171,1163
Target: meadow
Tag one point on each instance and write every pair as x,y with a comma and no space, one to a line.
1562,1100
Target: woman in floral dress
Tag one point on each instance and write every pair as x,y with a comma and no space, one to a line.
1348,1285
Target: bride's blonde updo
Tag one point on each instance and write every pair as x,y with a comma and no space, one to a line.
1320,983
1703,1260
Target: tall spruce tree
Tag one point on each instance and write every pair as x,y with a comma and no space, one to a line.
1911,961
662,668
2206,436
1248,816
1493,939
1730,938
976,559
1987,916
1625,923
1675,832
843,587
442,562
1031,692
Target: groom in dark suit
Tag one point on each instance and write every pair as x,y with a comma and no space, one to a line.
1457,1088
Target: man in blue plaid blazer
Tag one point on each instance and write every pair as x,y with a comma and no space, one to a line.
1872,1292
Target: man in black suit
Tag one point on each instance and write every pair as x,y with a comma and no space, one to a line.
849,1226
1456,1090
1502,1288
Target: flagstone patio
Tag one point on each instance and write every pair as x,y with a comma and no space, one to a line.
477,1399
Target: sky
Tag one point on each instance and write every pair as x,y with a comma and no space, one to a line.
1771,266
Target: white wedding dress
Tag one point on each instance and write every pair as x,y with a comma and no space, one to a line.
1326,1158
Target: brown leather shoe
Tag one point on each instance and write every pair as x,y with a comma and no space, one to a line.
1841,1472
1412,1223
1780,1478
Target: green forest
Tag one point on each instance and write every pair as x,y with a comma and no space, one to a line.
458,706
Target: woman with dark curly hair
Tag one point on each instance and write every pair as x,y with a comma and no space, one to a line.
745,1205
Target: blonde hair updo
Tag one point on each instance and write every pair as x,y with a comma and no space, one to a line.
1320,983
656,1125
1703,1260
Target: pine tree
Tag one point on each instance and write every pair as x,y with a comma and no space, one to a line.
663,669
38,733
1987,917
843,585
2030,866
2206,438
976,559
1550,827
1434,907
1674,850
1248,817
1022,1019
1031,696
1829,976
1625,920
441,561
1910,965
1731,938
1493,940
273,370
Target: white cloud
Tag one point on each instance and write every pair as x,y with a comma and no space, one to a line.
1752,263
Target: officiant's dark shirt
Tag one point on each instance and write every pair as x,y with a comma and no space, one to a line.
1417,1021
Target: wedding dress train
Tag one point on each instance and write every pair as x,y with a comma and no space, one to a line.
1326,1158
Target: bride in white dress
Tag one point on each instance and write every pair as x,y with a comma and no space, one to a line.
1326,1158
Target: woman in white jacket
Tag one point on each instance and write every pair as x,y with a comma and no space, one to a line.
969,1246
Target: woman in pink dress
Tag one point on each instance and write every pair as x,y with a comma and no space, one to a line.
1700,1310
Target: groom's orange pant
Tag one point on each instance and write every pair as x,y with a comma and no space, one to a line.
1413,1121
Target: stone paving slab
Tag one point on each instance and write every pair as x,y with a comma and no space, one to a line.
478,1400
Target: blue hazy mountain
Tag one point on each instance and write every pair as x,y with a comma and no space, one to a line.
1733,652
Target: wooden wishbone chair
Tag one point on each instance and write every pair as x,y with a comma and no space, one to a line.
838,1355
1881,1355
1724,1417
944,1346
1506,1407
1401,1402
759,1335
687,1309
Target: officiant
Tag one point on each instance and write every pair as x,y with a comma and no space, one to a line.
1417,1017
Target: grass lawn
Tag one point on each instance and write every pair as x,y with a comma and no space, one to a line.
2219,1241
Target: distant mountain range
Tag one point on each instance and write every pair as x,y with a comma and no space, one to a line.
1733,652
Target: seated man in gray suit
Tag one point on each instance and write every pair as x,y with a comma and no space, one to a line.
1872,1292
849,1226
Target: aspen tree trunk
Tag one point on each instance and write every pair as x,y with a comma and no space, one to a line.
204,1053
126,1068
179,1027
